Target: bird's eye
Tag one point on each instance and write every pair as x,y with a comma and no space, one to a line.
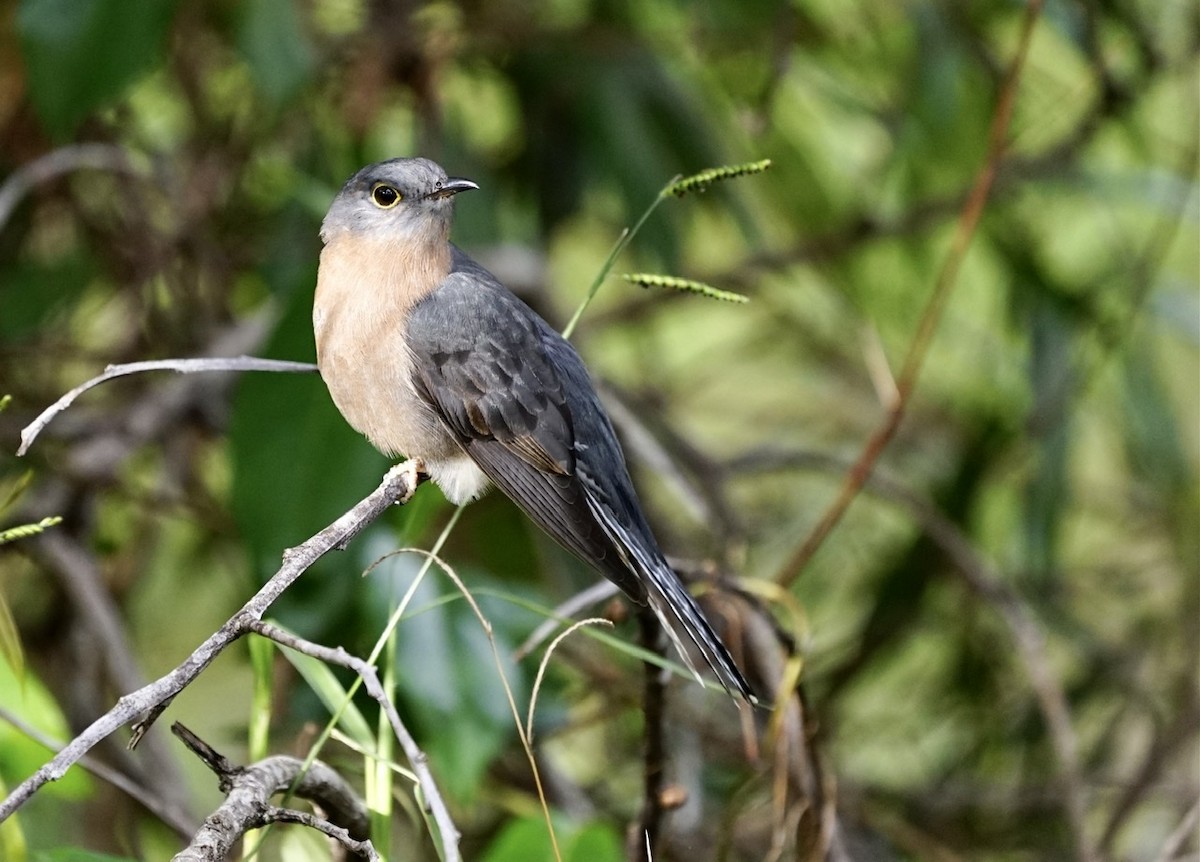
385,196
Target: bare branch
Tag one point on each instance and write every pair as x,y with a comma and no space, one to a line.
150,700
361,849
370,678
248,792
183,366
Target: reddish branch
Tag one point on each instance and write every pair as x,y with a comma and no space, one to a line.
905,384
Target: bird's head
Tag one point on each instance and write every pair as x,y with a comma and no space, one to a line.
400,199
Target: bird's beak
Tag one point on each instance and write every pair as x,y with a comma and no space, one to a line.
452,186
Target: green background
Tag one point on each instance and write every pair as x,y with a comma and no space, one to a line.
1053,436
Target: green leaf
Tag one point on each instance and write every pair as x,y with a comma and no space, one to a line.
1048,494
10,641
12,494
301,845
20,756
1152,433
72,854
448,678
596,842
527,839
262,655
332,693
521,841
82,54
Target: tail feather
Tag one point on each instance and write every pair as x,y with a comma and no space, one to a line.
675,608
678,612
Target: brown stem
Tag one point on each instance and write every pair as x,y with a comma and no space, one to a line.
967,223
645,838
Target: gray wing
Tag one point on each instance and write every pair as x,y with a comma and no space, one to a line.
500,379
520,402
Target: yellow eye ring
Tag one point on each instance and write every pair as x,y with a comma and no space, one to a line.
385,196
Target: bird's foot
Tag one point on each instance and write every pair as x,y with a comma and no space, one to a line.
414,474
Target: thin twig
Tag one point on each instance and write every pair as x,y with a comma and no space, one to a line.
362,849
623,240
541,671
947,279
593,595
1163,751
673,458
370,678
383,640
183,366
150,700
90,464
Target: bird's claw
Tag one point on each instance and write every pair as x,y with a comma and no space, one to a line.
414,474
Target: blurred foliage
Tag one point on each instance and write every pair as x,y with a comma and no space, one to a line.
1055,431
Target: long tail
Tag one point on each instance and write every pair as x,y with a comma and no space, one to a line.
678,612
675,608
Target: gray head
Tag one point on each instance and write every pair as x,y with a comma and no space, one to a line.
399,198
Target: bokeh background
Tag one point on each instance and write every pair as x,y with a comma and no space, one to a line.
1030,540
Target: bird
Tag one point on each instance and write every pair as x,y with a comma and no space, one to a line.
430,357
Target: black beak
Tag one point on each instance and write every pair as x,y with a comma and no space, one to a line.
452,186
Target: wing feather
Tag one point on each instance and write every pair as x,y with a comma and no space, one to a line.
502,394
518,399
